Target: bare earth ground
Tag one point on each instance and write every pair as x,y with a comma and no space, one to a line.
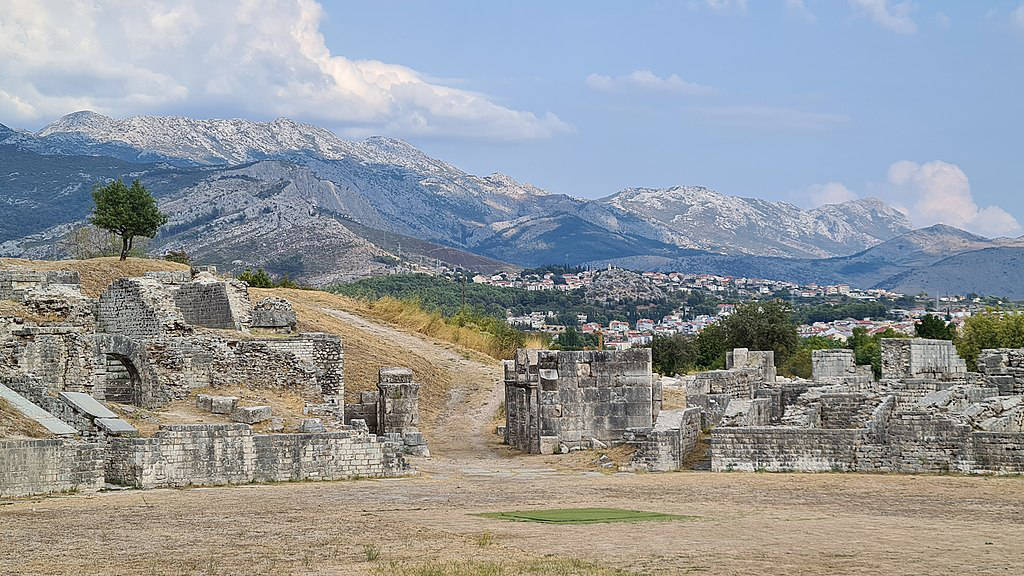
747,523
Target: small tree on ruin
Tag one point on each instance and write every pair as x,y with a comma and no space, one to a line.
127,211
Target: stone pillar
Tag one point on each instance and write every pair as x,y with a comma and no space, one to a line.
398,409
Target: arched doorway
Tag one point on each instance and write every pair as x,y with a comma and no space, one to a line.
122,383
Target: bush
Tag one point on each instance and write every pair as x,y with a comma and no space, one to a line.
932,326
257,279
177,256
991,329
799,363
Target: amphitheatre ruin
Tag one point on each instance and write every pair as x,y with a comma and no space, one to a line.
333,435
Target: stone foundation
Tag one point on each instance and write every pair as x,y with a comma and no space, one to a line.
30,467
219,454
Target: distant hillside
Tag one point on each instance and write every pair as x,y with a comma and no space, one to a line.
282,194
992,271
700,218
939,257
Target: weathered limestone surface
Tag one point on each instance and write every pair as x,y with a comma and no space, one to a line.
139,308
574,397
837,366
667,446
909,358
29,467
365,410
274,314
894,441
398,412
213,303
207,454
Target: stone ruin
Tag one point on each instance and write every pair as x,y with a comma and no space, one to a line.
927,413
558,401
163,337
392,410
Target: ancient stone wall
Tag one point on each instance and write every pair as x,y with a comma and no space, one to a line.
63,356
325,456
560,400
668,445
845,410
268,364
217,454
740,382
329,359
837,366
139,308
1004,368
183,455
398,405
29,467
16,284
784,449
365,410
211,304
910,358
908,442
761,360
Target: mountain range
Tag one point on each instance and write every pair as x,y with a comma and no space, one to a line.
295,198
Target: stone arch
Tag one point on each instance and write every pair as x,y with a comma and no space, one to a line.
124,374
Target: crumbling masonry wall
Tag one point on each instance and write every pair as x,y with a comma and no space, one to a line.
907,442
910,358
668,445
556,399
838,366
214,304
219,454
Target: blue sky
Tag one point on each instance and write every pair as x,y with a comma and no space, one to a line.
919,103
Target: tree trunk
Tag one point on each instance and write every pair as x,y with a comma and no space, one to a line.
125,247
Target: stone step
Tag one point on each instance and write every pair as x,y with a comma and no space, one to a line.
103,417
87,405
54,425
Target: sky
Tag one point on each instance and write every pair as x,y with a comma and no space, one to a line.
807,101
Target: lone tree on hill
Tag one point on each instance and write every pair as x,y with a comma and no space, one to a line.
127,211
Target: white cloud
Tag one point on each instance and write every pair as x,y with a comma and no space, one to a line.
645,80
799,7
262,58
1017,16
771,118
895,17
939,192
727,5
829,193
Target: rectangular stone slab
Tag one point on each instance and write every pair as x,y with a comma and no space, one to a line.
116,426
54,425
87,404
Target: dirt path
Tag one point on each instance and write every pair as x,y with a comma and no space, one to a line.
462,428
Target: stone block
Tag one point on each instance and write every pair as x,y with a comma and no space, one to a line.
251,414
549,445
312,426
217,404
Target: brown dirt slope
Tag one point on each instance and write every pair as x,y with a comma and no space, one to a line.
14,425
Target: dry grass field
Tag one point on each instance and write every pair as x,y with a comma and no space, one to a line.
746,524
